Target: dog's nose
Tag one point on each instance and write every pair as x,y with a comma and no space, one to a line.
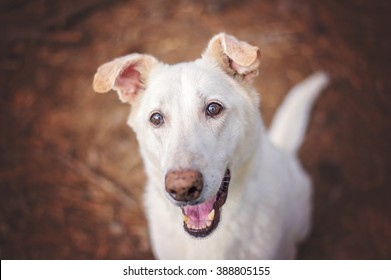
184,185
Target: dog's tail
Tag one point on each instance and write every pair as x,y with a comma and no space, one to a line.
291,119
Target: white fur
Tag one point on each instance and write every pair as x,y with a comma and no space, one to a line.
268,209
290,121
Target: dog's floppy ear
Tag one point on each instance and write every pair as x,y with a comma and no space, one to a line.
238,59
127,75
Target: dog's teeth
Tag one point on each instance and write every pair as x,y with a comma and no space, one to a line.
199,226
185,218
211,215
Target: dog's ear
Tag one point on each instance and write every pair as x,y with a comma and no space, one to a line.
127,75
238,59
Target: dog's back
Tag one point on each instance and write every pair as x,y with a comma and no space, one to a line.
286,133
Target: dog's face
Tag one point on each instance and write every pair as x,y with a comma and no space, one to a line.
190,119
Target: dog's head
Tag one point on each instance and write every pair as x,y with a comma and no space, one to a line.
192,121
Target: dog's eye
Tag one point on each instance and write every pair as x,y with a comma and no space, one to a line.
156,119
214,109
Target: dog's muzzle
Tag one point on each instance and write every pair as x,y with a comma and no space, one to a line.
185,186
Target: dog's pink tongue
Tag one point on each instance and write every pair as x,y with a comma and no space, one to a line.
199,212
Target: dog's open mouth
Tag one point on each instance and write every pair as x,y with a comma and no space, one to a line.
201,219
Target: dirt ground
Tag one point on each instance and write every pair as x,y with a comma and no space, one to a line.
71,177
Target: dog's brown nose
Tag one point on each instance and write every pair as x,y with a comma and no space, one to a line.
184,185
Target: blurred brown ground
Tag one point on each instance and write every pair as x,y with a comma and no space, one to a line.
71,177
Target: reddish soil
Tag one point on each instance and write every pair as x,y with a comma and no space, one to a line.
71,177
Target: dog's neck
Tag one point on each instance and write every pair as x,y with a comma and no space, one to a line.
244,166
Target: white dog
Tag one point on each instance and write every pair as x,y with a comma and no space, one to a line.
220,186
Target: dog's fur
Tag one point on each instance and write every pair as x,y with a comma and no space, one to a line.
268,208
